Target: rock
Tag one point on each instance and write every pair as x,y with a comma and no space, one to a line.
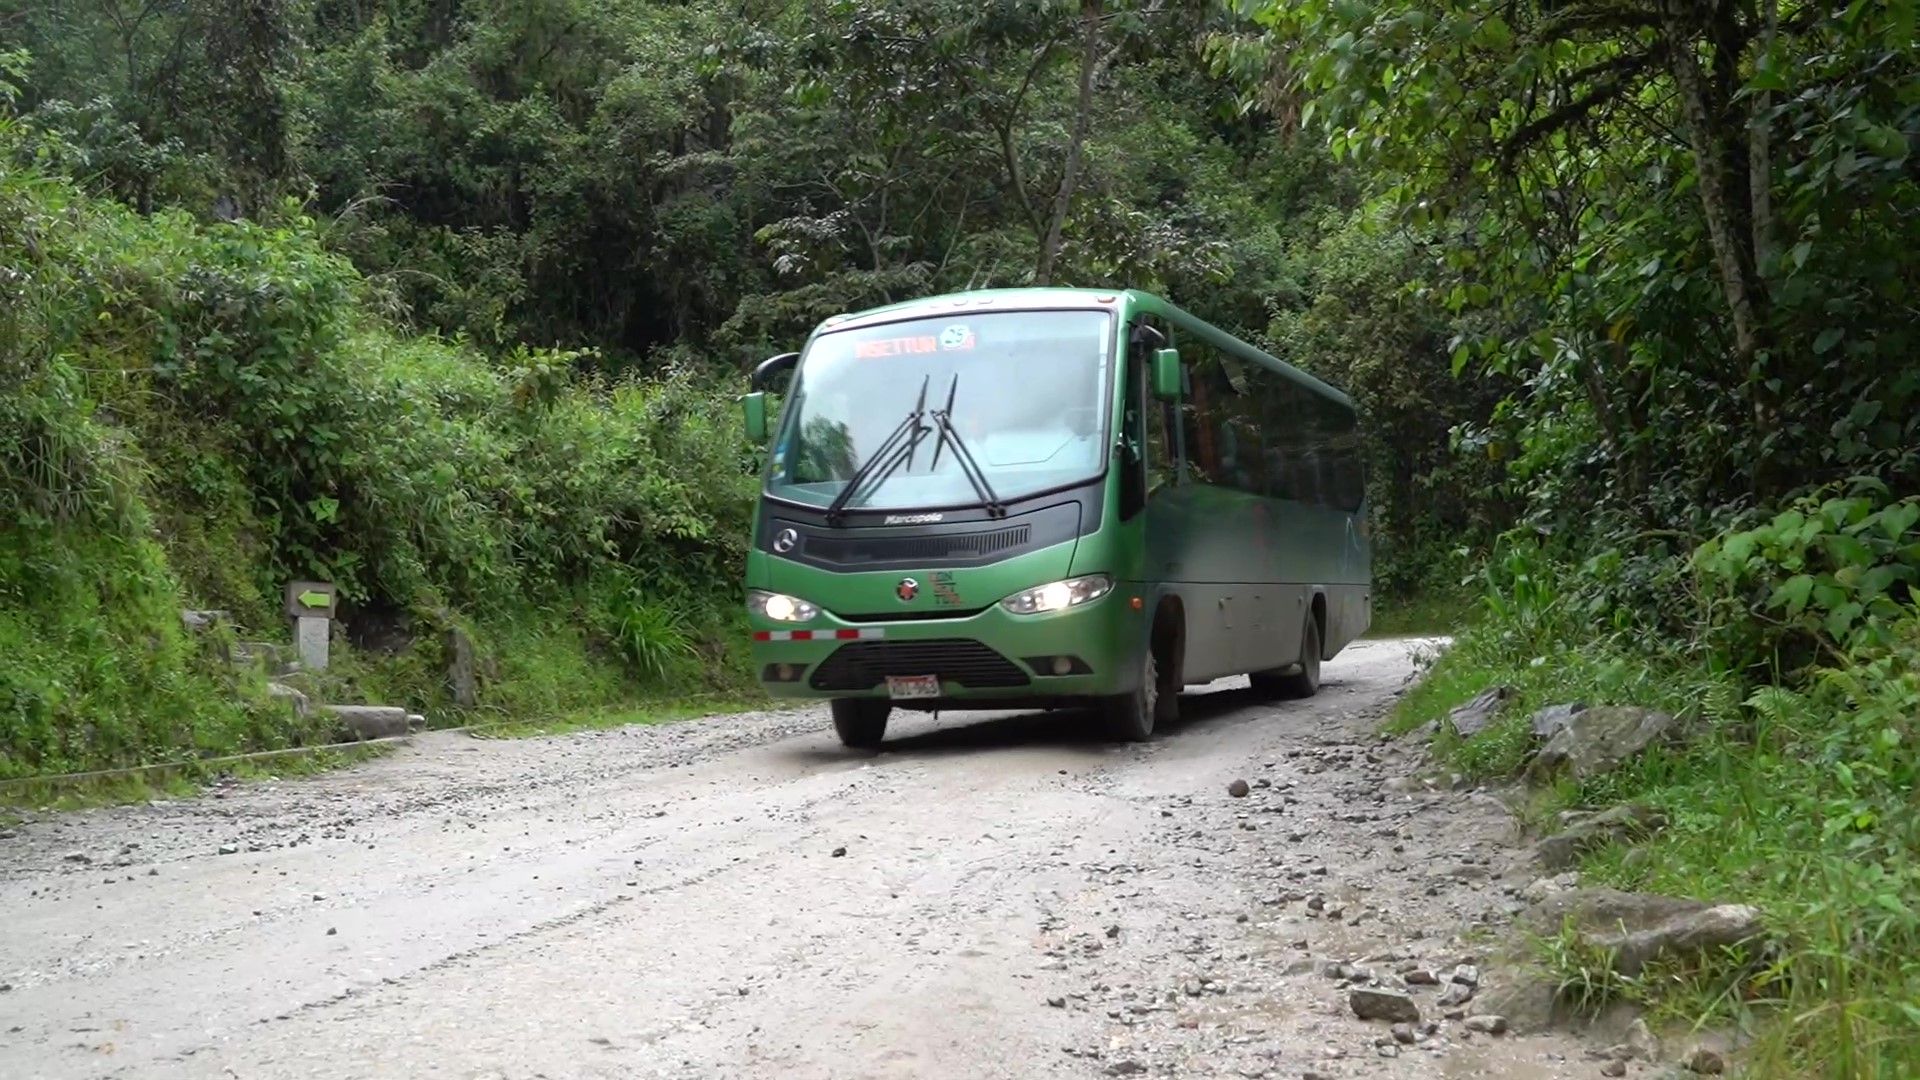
1616,1067
229,849
267,657
1472,718
1128,1067
200,621
1636,927
1547,722
1455,994
462,682
1238,789
1628,821
1541,888
1421,977
839,852
1599,739
1389,1005
416,722
295,700
1466,975
331,931
1487,1024
370,721
1528,997
1054,1002
1641,1042
1705,1062
77,857
1405,1034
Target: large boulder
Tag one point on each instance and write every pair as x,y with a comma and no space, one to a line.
1629,821
370,721
1598,740
1637,927
1472,718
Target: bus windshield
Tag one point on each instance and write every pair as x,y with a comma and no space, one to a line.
1027,393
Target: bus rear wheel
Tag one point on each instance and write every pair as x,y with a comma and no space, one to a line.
1302,680
860,722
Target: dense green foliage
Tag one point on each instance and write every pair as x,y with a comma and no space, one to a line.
196,413
1686,238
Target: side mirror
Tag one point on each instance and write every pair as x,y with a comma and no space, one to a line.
1166,374
770,367
754,405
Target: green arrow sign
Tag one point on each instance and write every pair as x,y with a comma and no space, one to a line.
311,598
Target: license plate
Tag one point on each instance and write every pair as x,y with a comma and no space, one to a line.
913,686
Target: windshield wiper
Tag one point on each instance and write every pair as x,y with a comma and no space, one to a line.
896,451
949,435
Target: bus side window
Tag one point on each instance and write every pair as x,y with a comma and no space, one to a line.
1202,415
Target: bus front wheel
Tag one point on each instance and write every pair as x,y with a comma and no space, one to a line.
1132,717
860,722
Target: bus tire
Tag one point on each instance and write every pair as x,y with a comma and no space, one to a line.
1132,717
860,722
1303,679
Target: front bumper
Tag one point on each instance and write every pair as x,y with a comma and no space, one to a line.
987,656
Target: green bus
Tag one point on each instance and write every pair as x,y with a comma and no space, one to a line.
1031,498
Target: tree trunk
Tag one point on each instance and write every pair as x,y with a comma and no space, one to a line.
1760,148
1070,171
1708,136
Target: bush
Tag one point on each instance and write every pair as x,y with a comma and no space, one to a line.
192,414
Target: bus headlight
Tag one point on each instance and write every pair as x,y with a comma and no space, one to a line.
779,606
1059,595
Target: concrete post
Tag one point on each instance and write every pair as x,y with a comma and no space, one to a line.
310,604
310,642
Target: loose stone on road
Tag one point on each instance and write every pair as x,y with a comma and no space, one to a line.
992,895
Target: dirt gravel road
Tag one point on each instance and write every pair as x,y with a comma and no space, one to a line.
990,896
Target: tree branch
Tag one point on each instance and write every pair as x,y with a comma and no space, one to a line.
1016,176
1623,70
1070,173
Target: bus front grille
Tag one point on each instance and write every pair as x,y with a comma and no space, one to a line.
851,548
864,665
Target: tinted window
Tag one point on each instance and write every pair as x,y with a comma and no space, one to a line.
1255,430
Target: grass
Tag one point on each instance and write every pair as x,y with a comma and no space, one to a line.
1426,614
1799,802
175,781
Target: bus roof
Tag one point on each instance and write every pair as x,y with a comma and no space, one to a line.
982,300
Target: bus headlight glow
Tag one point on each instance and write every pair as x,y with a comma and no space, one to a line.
780,607
1059,595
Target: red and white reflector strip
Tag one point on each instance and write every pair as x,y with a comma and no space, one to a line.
868,634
